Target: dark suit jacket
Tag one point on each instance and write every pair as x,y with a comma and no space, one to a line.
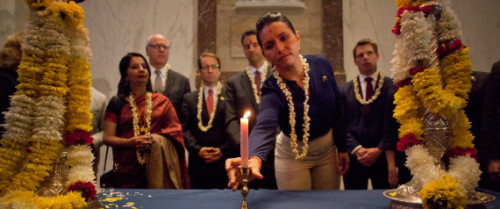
474,109
176,86
490,133
378,128
240,98
8,83
195,138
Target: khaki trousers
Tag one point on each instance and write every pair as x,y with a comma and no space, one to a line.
317,171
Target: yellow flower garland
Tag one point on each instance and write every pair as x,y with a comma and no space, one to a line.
29,198
43,79
444,190
291,110
252,81
78,105
405,3
199,108
40,162
443,93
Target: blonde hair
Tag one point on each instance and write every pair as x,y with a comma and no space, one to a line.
207,54
11,53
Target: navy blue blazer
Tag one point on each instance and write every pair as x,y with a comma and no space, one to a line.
378,128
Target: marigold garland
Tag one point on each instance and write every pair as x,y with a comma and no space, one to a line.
54,75
442,92
443,193
28,199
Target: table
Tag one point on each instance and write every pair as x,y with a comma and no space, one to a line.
257,199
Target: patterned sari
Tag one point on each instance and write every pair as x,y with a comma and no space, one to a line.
164,121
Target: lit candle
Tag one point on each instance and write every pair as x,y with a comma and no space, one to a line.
244,139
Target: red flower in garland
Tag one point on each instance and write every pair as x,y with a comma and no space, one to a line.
460,151
87,189
397,28
415,70
447,48
407,141
78,137
403,83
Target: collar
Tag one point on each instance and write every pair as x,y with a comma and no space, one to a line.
374,76
163,70
206,88
261,69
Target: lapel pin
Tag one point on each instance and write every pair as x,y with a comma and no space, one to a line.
324,78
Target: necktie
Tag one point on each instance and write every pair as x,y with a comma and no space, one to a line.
258,81
368,93
210,101
158,82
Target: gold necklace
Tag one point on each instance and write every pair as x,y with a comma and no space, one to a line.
377,92
199,108
252,81
291,109
135,114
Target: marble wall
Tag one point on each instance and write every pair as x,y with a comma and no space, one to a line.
120,26
232,22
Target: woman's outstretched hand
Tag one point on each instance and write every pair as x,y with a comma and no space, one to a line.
234,174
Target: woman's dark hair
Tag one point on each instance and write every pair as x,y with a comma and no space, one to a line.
123,85
270,18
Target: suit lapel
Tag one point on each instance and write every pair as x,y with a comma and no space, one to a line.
247,85
168,83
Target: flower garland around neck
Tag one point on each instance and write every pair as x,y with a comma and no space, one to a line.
145,128
199,108
291,109
254,86
377,91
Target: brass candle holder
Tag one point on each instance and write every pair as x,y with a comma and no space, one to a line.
244,186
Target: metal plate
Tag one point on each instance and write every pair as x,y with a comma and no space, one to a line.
479,198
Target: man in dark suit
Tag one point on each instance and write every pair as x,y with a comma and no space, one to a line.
490,134
243,94
204,130
164,80
372,131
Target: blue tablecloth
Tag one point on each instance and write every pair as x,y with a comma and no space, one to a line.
257,199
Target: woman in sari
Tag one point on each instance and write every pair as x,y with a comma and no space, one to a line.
132,120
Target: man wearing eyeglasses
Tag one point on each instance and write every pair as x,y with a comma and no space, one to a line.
203,126
164,80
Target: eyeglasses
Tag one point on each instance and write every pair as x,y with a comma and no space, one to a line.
210,66
158,46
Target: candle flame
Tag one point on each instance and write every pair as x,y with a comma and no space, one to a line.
247,114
